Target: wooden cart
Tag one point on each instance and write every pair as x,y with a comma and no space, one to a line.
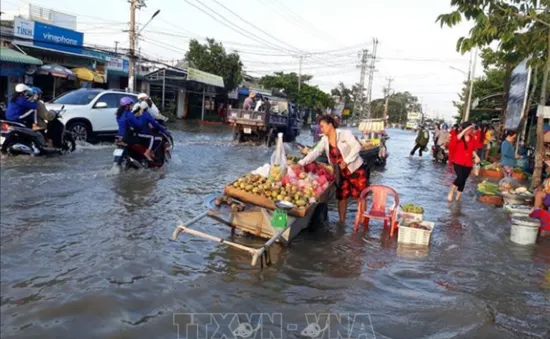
255,219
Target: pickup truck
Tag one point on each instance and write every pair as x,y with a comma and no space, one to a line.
263,127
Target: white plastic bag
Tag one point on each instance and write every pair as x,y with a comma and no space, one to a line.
278,161
476,169
262,171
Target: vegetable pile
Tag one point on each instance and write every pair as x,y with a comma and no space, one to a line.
492,167
412,208
488,188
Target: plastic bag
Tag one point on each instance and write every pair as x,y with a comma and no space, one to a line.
476,169
278,161
262,171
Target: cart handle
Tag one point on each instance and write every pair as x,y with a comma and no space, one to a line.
203,235
180,228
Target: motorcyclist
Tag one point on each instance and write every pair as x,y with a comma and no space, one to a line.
21,107
126,121
143,97
148,123
43,116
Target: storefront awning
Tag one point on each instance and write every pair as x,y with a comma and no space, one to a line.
204,77
10,55
28,45
119,73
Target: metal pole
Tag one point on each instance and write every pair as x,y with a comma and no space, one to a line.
163,88
132,39
300,73
471,77
203,97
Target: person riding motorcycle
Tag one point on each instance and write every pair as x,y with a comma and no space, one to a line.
143,97
126,121
21,107
148,123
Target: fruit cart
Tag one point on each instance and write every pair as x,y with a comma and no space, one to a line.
255,213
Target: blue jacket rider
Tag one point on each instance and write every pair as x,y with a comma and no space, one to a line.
20,107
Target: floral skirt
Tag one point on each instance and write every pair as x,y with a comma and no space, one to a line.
352,184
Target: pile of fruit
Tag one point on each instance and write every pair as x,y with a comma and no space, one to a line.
418,225
487,188
412,208
235,206
302,186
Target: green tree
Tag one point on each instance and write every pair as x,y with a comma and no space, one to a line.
521,28
211,57
308,96
399,105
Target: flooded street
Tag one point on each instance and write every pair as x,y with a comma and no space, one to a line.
87,254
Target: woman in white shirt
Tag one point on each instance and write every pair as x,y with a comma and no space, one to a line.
342,149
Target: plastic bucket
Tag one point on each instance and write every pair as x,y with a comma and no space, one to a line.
524,235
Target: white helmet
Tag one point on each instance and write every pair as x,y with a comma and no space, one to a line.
140,106
20,88
142,96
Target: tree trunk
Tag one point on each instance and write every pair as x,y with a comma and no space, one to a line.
539,155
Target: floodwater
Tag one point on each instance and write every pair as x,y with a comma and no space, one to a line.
87,254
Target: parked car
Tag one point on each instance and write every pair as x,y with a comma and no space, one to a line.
90,113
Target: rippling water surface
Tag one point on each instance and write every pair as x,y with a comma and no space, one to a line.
86,253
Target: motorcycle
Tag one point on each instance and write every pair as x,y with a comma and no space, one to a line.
440,154
18,139
131,156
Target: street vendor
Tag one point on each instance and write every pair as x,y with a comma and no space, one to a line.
542,195
508,154
542,204
342,149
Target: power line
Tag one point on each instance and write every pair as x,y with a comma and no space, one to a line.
231,25
256,27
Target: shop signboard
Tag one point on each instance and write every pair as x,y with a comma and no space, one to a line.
48,36
205,78
413,116
113,62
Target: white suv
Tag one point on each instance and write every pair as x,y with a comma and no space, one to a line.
90,113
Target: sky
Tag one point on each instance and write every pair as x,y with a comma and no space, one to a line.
413,49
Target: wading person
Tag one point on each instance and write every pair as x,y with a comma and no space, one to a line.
422,140
463,161
342,149
453,135
489,139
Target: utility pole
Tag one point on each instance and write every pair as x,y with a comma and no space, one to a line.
132,38
471,76
388,90
359,97
300,61
372,69
116,47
